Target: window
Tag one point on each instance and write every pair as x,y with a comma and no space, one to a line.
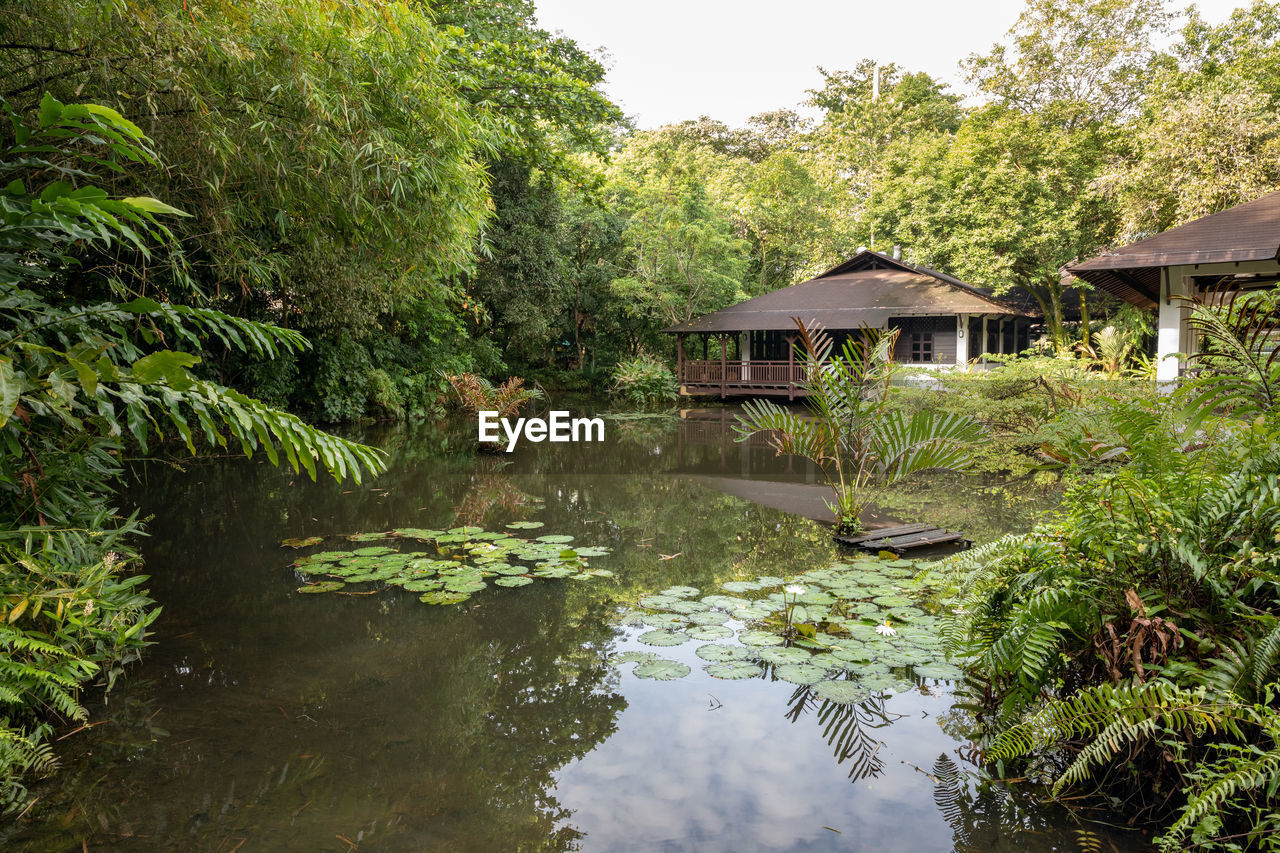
922,346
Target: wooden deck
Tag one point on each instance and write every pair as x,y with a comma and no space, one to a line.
728,377
905,538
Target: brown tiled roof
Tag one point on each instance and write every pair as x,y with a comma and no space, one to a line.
1246,232
842,299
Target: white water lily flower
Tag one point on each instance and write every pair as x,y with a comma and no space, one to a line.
886,629
795,589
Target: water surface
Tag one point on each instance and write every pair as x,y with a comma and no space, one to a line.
267,720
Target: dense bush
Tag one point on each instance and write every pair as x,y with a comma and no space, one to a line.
1133,643
643,381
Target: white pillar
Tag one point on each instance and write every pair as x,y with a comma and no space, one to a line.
962,339
746,356
1172,336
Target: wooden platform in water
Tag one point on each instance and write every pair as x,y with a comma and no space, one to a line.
905,538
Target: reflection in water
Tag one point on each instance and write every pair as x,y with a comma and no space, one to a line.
267,720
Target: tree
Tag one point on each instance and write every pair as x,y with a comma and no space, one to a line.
1208,136
1073,61
1005,203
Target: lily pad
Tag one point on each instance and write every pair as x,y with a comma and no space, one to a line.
759,638
680,591
733,670
632,657
709,632
663,637
443,597
661,669
323,586
800,673
525,525
513,580
717,653
302,543
555,539
740,586
779,655
841,692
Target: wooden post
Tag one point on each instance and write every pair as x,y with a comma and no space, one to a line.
679,359
724,367
791,366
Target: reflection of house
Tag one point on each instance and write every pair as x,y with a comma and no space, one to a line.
1238,248
943,321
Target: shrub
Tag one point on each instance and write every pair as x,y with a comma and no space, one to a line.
644,381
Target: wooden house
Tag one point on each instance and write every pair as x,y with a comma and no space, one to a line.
1237,248
944,322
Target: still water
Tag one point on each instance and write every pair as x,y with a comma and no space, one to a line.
267,720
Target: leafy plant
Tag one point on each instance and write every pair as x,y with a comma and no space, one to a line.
643,381
858,441
80,377
476,394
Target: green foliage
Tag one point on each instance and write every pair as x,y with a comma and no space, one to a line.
852,435
1132,643
80,377
644,382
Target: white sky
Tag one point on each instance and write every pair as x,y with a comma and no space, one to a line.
672,60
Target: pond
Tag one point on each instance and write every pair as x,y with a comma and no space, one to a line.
263,719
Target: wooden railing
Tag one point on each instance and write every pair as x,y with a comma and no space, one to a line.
713,375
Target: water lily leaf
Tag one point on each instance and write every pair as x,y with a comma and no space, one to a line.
443,597
841,692
632,657
419,533
663,637
525,525
664,620
591,550
709,632
708,617
747,614
800,673
661,669
373,551
656,602
368,537
891,600
420,585
817,597
767,581
759,638
323,586
555,539
717,653
680,591
740,586
940,671
733,670
545,570
465,530
687,607
513,580
779,655
302,543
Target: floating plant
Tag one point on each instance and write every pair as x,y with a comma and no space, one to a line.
847,631
458,563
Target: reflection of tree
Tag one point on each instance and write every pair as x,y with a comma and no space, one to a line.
847,728
490,490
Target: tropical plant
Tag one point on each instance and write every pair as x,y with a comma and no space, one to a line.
1109,349
475,393
858,441
644,381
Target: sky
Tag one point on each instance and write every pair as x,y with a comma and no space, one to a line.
671,60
